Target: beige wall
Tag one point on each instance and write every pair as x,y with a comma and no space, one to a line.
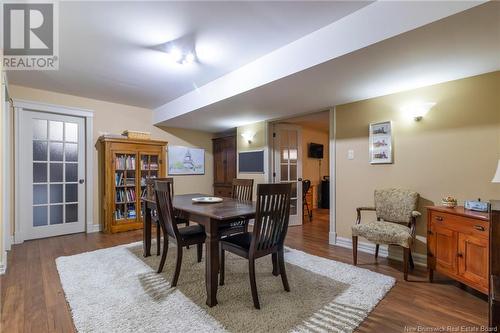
115,118
311,166
260,141
453,151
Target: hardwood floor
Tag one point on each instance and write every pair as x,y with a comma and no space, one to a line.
32,299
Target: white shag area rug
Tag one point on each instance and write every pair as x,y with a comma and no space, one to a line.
117,290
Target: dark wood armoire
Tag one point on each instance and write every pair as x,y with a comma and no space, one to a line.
224,150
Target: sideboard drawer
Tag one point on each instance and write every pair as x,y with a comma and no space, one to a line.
461,224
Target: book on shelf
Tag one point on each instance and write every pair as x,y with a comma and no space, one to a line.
119,214
119,179
125,195
125,162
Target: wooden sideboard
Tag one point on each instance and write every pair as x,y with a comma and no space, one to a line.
494,299
458,245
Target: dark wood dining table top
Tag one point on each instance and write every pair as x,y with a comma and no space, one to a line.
228,209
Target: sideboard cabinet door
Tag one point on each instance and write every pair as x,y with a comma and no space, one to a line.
473,259
445,248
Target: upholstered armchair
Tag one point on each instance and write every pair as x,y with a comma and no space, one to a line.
396,211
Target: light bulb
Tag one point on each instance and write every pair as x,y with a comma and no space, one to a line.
189,58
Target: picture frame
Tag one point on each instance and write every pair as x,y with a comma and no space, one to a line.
381,143
186,160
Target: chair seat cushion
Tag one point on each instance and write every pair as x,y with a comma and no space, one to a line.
381,232
242,240
192,231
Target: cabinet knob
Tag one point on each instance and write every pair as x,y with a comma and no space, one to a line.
460,254
439,218
479,227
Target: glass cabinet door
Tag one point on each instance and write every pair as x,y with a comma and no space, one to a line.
149,169
125,187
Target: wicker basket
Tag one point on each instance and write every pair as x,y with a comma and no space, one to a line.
137,135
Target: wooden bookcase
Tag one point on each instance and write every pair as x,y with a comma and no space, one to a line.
124,166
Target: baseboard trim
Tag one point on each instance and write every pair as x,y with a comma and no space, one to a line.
332,238
394,253
93,228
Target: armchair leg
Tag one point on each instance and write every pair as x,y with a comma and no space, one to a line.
406,260
412,264
376,250
355,250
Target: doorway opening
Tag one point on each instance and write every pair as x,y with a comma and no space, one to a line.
301,155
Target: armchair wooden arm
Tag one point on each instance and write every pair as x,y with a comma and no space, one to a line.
413,222
358,211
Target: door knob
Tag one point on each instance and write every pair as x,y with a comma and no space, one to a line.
300,179
81,181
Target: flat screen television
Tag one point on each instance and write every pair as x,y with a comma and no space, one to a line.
315,150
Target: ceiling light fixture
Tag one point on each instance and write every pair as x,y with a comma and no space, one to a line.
180,56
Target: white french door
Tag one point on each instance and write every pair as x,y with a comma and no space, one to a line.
51,155
287,155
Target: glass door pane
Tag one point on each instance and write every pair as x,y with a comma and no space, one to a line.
149,170
55,172
288,165
125,187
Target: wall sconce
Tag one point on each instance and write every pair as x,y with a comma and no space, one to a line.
417,110
248,136
496,178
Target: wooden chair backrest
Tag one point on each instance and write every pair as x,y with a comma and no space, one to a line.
150,186
163,196
242,189
272,215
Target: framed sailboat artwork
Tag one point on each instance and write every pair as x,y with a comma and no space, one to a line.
186,160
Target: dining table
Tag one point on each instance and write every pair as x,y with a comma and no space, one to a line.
211,216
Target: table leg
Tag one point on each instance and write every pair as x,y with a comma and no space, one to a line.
146,234
212,262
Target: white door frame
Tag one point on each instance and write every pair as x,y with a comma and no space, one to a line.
332,234
6,178
87,115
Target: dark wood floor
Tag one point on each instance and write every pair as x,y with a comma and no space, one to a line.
32,299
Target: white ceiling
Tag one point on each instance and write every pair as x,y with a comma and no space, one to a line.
107,49
458,46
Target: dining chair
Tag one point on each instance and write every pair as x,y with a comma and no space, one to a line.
191,235
179,218
267,237
306,186
396,211
242,189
